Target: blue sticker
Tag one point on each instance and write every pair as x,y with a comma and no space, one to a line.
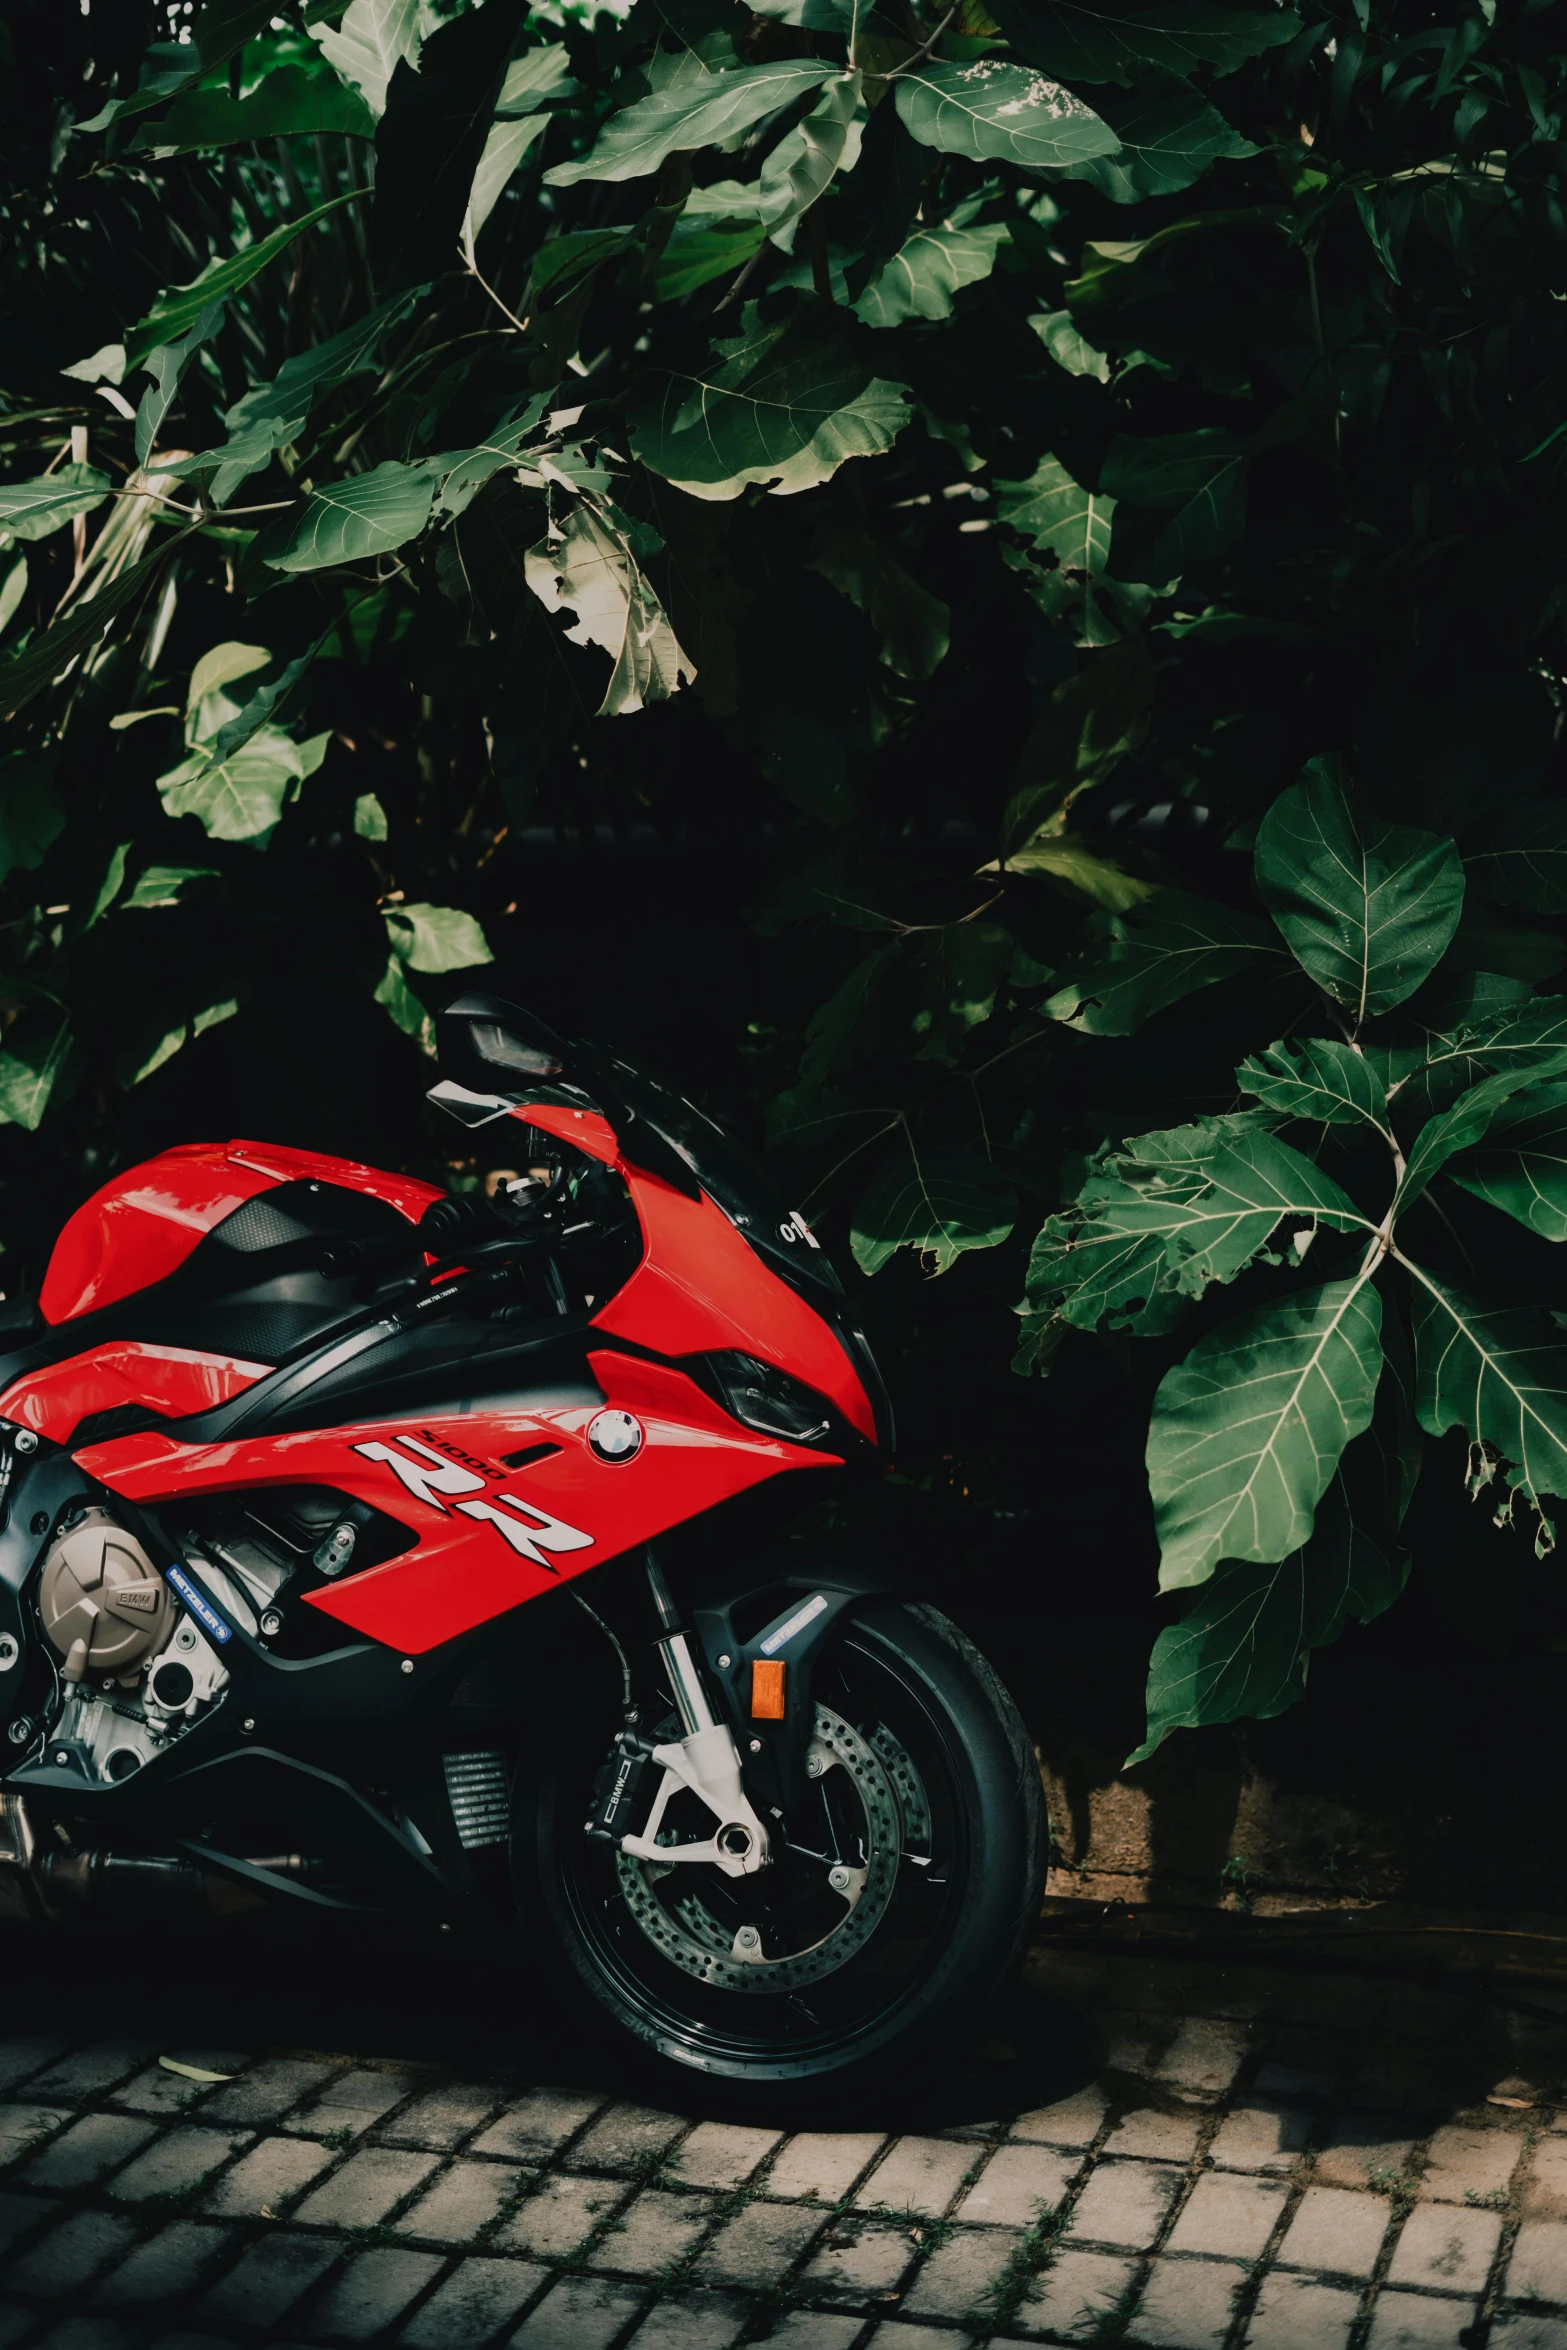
207,1617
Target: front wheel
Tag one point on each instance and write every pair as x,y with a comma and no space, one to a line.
899,1893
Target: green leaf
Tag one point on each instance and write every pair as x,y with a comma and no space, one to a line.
290,102
66,640
699,251
1158,953
939,1206
592,569
176,310
12,589
1521,1167
1454,1130
1525,863
1070,348
219,666
805,161
923,276
785,405
369,818
1116,42
1190,488
236,732
368,43
913,625
435,938
504,149
143,1060
994,109
1367,908
243,796
1247,1432
1063,857
1243,1643
1321,1078
32,814
160,885
692,113
29,1076
1073,523
109,886
1495,1373
166,366
32,509
1169,136
398,1000
350,521
1082,1273
535,78
431,142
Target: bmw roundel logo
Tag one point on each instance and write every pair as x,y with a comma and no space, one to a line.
615,1436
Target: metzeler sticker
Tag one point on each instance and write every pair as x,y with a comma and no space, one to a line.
786,1632
207,1617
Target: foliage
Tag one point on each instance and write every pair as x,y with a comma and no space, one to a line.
990,454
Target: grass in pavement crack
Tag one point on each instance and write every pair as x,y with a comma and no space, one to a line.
1004,2296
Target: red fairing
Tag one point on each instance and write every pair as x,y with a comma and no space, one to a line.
586,1130
489,1537
170,1379
143,1225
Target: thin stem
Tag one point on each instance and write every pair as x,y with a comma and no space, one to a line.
473,269
924,51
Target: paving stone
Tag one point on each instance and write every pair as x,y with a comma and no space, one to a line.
89,2333
580,2313
1205,2056
1018,2183
158,2091
443,2117
165,2269
266,2282
1466,2161
15,2321
20,2125
652,2232
263,2181
1397,2087
1187,2304
96,2144
1153,2136
822,2163
1075,2295
20,2214
560,2217
480,2296
537,2125
175,2163
759,2245
1537,2270
720,2154
1277,2079
958,2275
367,2187
464,2199
858,2260
918,2174
697,2321
1335,2230
24,2053
1267,2138
1358,2144
1418,2321
371,2294
1297,2313
1124,2203
267,2090
1450,2251
355,2099
1073,2121
625,2136
1545,2188
892,2334
89,2071
1528,2333
1233,2216
808,2329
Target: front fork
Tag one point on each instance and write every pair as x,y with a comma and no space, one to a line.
705,1761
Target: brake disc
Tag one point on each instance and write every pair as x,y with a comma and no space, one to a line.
691,1937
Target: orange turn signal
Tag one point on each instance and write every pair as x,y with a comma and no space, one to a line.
767,1689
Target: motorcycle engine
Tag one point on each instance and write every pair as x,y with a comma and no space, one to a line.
136,1669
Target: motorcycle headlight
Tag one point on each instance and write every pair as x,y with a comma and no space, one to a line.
767,1400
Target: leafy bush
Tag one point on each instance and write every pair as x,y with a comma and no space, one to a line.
989,454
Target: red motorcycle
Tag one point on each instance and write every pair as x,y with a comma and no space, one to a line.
370,1548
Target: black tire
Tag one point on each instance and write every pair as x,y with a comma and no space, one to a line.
948,1932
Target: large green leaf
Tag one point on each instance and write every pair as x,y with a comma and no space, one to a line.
1521,1167
369,41
288,103
1169,136
691,113
33,509
436,938
786,405
504,149
923,276
995,110
804,163
1189,492
31,1074
1082,1273
1494,1372
938,1206
1153,956
166,366
176,311
243,796
1247,1432
1322,1078
1368,908
364,515
912,624
430,144
1453,1130
592,568
1117,41
1524,860
1073,523
32,814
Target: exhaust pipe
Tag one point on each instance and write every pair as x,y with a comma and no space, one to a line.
44,1882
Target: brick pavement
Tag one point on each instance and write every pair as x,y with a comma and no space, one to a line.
1174,2155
